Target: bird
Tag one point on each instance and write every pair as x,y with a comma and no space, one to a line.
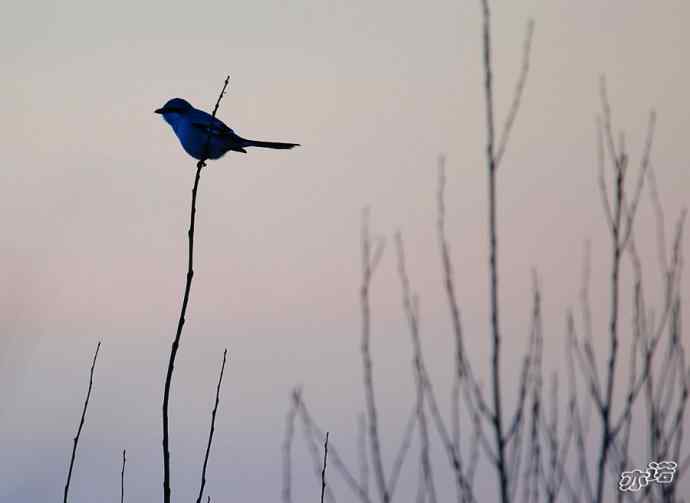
205,137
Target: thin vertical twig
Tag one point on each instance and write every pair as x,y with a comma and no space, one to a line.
323,471
81,424
213,427
122,476
311,437
312,431
181,320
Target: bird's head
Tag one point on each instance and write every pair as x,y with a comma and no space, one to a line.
174,109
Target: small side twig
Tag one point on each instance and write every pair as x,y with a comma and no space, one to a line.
213,427
311,436
517,94
312,431
81,423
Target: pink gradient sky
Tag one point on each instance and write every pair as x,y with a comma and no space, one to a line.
94,194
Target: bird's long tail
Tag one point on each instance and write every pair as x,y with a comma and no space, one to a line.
269,144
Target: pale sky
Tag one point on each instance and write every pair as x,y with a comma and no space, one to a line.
95,192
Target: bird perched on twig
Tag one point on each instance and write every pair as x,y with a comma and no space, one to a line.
203,136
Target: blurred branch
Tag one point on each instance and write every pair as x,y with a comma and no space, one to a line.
287,449
588,365
497,412
575,417
620,163
531,359
493,157
402,451
632,210
363,461
517,94
603,189
412,315
369,264
460,359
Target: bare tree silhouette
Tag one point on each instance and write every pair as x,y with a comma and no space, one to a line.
542,451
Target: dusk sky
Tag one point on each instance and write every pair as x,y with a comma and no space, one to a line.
95,193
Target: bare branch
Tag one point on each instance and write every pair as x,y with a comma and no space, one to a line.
460,358
287,447
575,417
81,423
323,472
603,189
122,477
368,267
213,427
517,94
640,180
317,433
402,451
310,439
592,370
660,221
181,320
531,358
498,430
607,127
363,461
411,311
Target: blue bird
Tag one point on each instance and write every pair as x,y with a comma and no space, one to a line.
203,136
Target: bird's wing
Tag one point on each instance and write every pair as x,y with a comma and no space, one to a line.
214,129
211,125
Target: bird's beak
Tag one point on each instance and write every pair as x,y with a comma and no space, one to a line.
158,111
